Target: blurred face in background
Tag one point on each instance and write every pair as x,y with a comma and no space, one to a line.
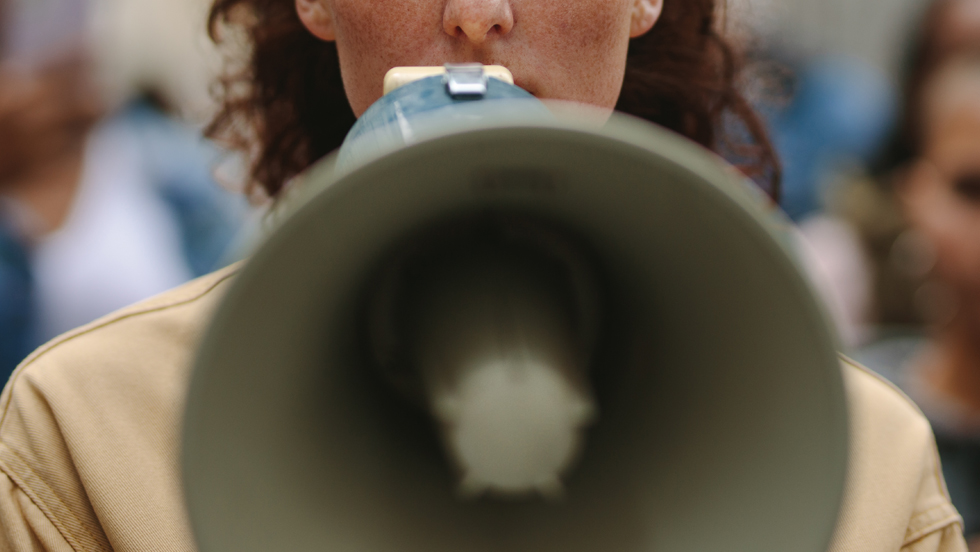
942,193
571,50
48,103
960,26
44,112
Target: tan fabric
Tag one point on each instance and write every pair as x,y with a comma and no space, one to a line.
90,427
895,497
90,431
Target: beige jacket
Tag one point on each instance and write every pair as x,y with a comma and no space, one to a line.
90,434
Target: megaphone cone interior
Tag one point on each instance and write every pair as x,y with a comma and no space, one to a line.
494,319
703,402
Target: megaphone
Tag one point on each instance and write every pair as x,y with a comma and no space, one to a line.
486,327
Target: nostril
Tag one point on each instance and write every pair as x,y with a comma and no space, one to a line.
477,20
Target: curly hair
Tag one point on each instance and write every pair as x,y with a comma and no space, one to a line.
287,105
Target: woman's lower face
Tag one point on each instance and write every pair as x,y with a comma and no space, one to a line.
571,50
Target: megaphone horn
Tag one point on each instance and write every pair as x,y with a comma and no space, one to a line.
486,327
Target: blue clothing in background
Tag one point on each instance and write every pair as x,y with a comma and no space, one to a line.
16,303
841,112
180,163
80,272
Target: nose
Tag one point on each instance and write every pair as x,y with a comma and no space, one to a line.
478,20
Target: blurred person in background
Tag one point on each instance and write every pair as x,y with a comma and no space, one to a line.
900,302
940,194
920,228
106,198
44,118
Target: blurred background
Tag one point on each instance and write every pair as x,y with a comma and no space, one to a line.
108,191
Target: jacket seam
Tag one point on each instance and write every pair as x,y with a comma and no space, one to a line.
942,523
21,484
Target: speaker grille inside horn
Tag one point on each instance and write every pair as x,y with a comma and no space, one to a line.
489,322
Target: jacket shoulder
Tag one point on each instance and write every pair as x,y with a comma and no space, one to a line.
90,423
199,293
895,495
870,393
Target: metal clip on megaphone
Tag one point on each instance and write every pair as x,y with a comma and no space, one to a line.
484,326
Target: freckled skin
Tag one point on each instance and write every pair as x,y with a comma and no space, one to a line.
571,50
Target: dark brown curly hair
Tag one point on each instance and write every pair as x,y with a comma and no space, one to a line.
287,106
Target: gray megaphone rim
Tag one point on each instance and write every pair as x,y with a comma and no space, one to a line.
214,408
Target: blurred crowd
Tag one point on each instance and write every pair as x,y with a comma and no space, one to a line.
106,188
108,194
